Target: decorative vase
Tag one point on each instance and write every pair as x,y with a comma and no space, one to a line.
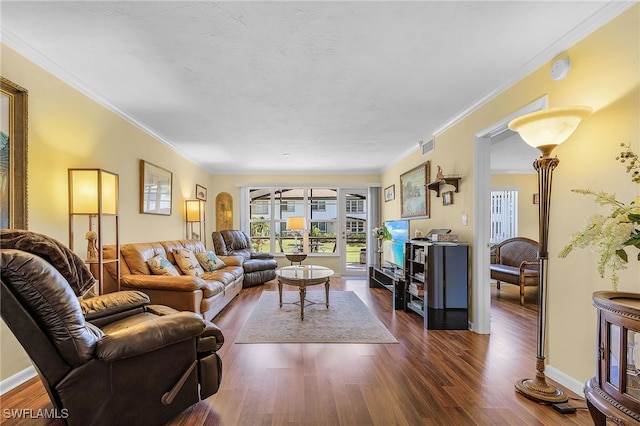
379,245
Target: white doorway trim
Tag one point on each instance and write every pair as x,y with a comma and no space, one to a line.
481,290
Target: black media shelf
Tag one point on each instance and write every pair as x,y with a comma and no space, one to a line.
387,278
437,284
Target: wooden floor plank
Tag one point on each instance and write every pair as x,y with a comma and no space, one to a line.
435,377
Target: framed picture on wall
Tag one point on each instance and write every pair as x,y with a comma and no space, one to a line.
447,198
390,193
13,155
201,192
155,189
413,192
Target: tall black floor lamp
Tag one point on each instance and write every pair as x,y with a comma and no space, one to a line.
545,130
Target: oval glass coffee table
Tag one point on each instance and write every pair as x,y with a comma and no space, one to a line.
303,276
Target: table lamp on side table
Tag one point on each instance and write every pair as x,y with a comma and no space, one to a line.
296,224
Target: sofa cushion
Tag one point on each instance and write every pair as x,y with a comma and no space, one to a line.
225,276
137,254
209,261
232,242
211,288
161,266
187,262
170,247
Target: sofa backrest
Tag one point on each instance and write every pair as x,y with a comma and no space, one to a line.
514,251
134,256
232,243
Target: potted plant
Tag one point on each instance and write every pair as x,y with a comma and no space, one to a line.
611,234
378,234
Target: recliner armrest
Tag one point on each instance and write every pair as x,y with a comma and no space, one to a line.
112,303
149,335
261,255
211,339
232,260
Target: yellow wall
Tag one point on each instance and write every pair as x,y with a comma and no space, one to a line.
526,185
605,75
66,129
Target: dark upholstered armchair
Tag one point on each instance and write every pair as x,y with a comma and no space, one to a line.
258,267
515,261
104,360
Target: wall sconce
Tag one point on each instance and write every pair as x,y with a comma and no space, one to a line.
94,193
194,213
545,130
296,224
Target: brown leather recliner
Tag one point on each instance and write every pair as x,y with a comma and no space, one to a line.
104,360
259,267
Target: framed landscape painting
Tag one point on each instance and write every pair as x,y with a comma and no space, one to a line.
413,192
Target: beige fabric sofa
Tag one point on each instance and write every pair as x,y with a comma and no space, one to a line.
206,294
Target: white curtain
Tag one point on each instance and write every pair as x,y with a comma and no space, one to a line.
373,199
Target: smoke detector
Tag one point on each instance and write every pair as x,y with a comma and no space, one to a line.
560,69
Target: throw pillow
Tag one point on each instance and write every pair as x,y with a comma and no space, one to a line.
161,266
209,261
187,262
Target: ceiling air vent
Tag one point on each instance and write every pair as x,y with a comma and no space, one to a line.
428,146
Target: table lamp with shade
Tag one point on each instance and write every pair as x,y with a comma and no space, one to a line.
545,130
296,224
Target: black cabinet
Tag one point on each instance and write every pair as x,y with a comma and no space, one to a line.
392,281
437,282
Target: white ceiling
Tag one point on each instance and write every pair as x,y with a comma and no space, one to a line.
307,87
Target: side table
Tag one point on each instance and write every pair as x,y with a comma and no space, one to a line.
303,277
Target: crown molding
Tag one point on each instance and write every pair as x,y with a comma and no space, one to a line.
16,43
595,21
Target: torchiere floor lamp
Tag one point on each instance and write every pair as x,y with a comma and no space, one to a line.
545,130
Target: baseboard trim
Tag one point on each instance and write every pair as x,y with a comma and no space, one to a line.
17,379
565,380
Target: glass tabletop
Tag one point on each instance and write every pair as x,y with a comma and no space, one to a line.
304,272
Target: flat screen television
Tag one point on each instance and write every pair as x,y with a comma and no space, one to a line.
396,234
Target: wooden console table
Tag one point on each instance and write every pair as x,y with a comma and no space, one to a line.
614,392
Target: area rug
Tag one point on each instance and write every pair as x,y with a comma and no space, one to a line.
347,320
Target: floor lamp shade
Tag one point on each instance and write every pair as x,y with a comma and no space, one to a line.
545,130
195,218
93,194
194,210
93,191
548,128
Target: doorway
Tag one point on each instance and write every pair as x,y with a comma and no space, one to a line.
352,243
481,302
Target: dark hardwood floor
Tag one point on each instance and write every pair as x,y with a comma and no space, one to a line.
429,378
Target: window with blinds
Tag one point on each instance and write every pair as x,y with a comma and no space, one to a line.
504,215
